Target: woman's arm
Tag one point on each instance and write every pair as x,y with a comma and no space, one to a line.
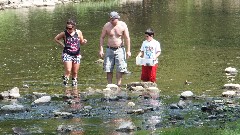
82,40
58,39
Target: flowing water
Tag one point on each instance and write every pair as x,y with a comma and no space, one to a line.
199,39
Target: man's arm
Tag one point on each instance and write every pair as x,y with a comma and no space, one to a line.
127,39
103,34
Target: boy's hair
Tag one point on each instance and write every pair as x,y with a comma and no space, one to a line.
149,32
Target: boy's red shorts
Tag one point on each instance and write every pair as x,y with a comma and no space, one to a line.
149,73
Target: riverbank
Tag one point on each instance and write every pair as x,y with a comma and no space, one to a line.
15,4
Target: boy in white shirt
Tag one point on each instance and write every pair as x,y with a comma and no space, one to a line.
150,49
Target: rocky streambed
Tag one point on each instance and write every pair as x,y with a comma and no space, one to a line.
141,100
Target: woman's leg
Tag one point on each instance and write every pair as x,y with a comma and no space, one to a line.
67,68
75,68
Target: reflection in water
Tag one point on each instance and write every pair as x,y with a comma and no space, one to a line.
73,98
123,126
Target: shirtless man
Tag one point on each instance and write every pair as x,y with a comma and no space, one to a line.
116,31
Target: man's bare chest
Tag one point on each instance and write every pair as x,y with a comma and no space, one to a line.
115,31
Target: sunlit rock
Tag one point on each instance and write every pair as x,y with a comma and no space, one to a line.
138,88
153,89
131,104
231,86
143,84
112,86
229,93
231,71
109,93
13,93
5,94
25,86
186,94
43,99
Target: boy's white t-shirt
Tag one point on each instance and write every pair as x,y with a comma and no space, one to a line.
150,49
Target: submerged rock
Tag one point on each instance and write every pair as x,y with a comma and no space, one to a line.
13,107
126,126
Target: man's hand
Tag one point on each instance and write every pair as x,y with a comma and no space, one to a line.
101,54
128,54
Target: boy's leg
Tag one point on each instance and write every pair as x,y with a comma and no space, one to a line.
153,73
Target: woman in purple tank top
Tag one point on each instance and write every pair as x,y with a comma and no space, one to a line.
70,39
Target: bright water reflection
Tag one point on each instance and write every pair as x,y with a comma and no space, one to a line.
199,40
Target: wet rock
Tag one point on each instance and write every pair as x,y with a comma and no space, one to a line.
152,89
126,126
131,104
137,111
25,86
13,93
38,94
231,71
70,129
20,131
218,101
181,104
88,108
152,121
186,95
212,117
137,88
112,86
231,86
174,106
63,114
176,117
143,84
111,91
65,128
43,99
13,107
229,93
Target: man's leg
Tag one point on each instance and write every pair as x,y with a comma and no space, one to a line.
119,78
109,77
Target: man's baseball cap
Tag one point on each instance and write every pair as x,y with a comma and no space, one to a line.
114,15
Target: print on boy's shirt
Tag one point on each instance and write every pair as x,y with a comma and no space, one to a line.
149,51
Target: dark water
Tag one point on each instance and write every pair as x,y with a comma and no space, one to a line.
199,39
